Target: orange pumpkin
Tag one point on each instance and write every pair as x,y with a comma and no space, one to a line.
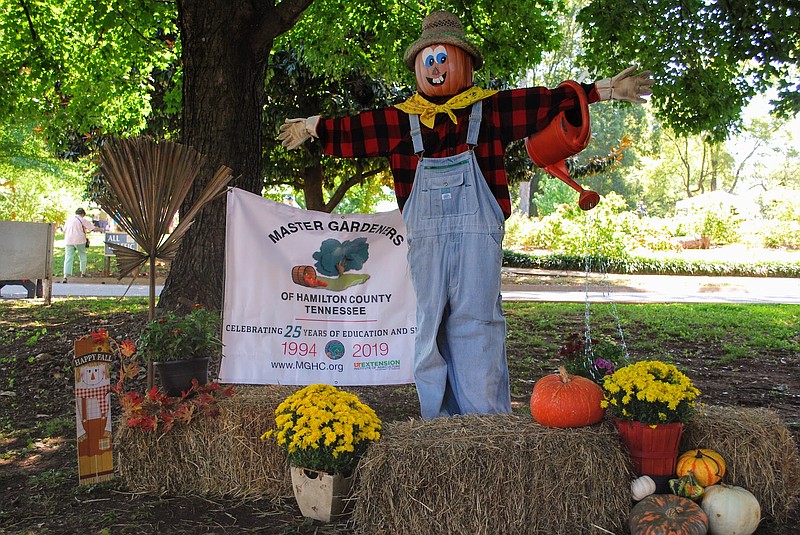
659,514
564,400
707,466
443,70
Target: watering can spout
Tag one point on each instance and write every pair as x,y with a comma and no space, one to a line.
565,136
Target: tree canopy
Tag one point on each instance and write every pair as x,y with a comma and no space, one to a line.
84,70
81,68
709,57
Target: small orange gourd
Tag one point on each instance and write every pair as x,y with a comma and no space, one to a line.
564,400
443,70
707,466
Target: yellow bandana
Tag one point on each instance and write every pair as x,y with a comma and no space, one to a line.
417,105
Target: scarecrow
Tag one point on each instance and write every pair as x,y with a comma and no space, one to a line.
445,147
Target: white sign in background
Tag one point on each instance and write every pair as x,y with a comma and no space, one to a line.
312,297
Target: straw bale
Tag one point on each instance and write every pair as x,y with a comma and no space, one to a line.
222,456
493,474
759,452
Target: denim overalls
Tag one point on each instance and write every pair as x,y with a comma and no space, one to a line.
455,231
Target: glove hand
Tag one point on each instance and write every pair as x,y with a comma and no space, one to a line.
626,87
294,132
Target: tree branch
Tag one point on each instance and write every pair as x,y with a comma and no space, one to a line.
359,176
30,21
275,20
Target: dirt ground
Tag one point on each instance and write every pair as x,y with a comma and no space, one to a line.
38,473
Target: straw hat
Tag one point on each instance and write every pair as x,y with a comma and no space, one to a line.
442,27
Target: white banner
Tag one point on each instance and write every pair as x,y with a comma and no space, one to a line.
312,297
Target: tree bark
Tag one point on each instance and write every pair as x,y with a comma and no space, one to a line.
225,49
525,198
313,188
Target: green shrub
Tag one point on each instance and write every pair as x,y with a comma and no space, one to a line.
775,234
651,266
720,228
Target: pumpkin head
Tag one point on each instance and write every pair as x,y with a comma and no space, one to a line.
707,466
564,400
443,70
658,514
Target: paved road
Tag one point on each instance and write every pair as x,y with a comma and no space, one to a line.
651,288
90,287
538,285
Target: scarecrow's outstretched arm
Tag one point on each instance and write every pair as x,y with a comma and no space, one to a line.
626,87
294,132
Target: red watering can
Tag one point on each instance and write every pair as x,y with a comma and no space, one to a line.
564,137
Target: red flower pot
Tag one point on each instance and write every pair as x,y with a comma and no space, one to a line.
653,449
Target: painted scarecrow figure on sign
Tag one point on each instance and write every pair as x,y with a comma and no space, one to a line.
92,363
445,146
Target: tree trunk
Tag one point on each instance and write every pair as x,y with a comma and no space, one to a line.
313,188
226,46
525,198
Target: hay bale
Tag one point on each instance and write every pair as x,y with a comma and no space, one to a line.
759,451
493,474
222,456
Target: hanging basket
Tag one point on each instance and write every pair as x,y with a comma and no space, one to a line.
320,495
653,449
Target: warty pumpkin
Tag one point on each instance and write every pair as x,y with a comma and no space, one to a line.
686,487
661,514
564,400
707,466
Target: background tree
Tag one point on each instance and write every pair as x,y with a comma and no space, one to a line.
709,57
80,68
225,46
34,184
767,155
610,123
294,91
356,65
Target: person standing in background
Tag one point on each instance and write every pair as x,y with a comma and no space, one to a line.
75,240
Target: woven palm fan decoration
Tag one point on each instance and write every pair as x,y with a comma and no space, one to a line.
146,183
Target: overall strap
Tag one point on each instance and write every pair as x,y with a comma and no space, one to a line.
473,129
416,135
474,124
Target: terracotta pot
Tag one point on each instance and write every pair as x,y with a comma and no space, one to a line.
320,495
176,376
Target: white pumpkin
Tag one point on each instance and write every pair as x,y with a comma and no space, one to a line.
642,487
731,510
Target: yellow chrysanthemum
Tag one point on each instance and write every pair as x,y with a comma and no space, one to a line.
649,391
324,428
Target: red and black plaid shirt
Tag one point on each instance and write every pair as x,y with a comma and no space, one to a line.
507,116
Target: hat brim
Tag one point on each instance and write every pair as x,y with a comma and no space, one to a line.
442,38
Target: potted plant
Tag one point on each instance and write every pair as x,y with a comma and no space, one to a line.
593,358
156,411
324,432
650,400
181,347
